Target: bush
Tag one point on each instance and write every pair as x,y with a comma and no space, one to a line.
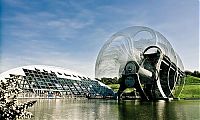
195,73
9,109
108,81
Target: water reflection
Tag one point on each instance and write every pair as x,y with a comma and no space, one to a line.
174,110
109,109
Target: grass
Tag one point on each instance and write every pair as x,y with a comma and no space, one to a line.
190,91
191,88
115,88
191,80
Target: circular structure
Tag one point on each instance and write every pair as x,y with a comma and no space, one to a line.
146,56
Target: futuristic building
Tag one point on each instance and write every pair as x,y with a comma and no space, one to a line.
143,59
49,81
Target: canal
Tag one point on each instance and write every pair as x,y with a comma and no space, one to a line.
72,109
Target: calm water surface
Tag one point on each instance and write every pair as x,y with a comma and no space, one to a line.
60,109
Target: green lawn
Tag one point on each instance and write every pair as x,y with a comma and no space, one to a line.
190,91
191,80
191,88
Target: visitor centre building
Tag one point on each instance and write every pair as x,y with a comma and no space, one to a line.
54,82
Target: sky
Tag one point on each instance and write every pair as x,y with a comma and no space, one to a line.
70,33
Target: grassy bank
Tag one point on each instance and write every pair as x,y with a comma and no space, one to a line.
190,91
192,80
191,88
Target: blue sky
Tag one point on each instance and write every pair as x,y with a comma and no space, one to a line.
70,33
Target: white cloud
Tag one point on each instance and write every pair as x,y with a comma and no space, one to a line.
65,60
36,35
69,23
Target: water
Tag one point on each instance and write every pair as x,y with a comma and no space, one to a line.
60,109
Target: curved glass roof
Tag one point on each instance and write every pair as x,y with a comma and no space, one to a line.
128,45
54,79
61,72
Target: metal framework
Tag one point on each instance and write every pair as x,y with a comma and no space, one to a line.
143,59
40,81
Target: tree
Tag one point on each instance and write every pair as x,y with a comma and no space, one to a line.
108,81
187,72
195,73
9,107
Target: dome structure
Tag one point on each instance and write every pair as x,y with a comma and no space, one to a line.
145,52
50,81
69,74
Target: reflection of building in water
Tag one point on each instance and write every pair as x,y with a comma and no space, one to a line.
147,110
75,109
82,109
51,82
160,109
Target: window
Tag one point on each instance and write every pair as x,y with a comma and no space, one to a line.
67,74
59,73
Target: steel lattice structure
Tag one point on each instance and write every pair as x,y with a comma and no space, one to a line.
143,59
42,81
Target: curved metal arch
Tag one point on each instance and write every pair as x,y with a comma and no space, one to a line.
131,44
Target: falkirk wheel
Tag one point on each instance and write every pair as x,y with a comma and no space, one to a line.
143,59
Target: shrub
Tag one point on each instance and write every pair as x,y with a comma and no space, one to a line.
9,107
